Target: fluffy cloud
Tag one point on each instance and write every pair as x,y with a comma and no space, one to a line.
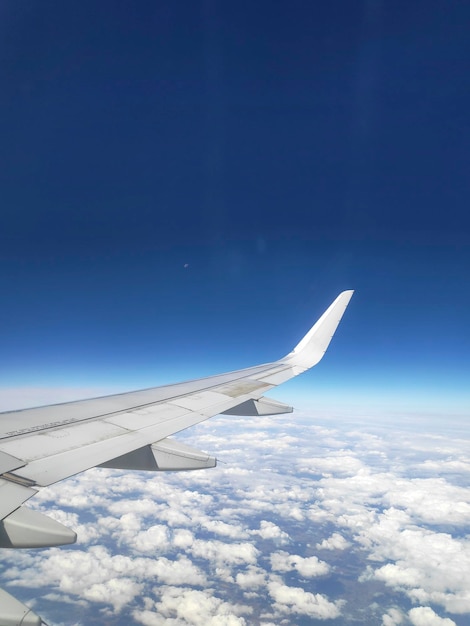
397,519
98,576
428,566
94,575
189,607
219,527
296,600
334,542
182,538
223,554
341,462
251,578
116,591
154,538
393,617
307,567
425,616
454,466
268,530
433,501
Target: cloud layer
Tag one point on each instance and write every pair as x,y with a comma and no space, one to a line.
307,519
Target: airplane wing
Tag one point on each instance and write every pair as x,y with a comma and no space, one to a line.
44,445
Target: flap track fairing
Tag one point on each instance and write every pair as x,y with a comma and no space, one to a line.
263,406
15,613
164,456
25,528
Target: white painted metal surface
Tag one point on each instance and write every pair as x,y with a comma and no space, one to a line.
263,406
15,613
12,496
312,347
25,528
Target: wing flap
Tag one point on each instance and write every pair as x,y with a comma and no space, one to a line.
12,496
9,463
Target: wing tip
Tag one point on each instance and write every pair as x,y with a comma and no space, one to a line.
311,348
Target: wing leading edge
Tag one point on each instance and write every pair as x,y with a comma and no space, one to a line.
41,446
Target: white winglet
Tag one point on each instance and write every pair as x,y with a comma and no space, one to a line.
309,351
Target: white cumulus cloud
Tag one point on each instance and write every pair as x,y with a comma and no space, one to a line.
334,542
296,600
425,616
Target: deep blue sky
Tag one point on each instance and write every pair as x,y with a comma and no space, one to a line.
283,151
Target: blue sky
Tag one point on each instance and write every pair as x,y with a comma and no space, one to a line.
282,153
